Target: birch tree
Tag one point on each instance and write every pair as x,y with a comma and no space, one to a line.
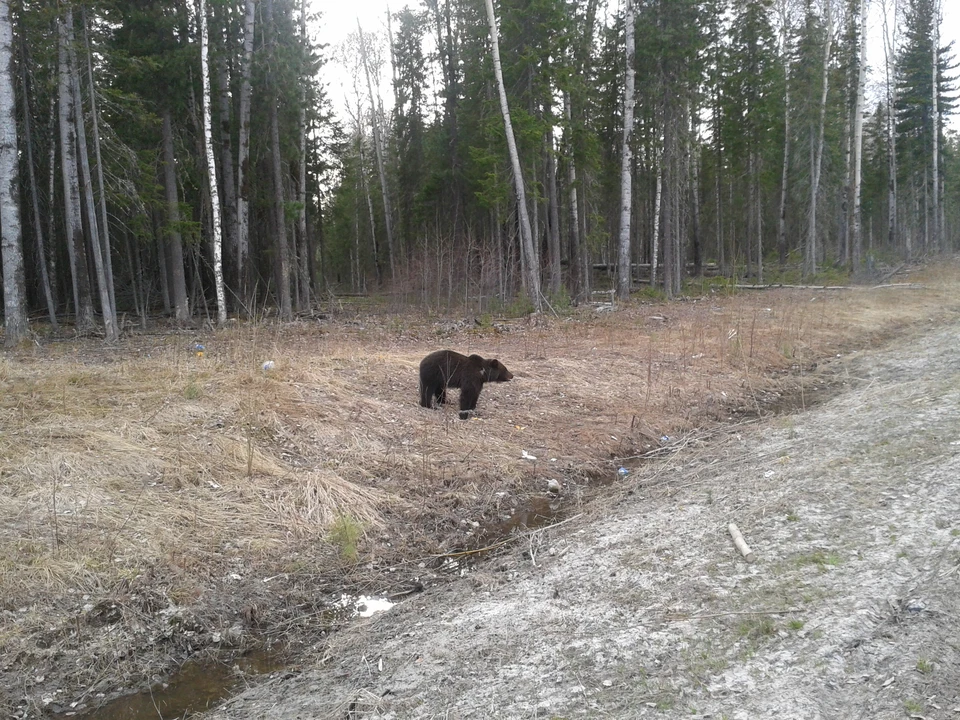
15,324
532,275
216,224
857,224
624,269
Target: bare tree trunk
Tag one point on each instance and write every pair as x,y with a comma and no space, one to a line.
578,253
657,213
856,241
243,158
174,250
73,223
375,115
282,243
526,235
304,252
104,220
106,306
787,137
816,151
889,42
215,221
16,325
553,217
228,177
625,270
937,240
34,194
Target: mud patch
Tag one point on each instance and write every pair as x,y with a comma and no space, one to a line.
196,687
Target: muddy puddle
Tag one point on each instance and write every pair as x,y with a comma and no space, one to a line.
196,687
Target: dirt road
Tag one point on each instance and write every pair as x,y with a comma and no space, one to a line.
644,608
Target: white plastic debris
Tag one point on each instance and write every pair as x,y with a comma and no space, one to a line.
527,456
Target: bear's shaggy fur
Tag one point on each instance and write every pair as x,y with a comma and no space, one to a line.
446,368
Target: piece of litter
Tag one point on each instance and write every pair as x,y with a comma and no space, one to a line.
365,607
267,366
527,456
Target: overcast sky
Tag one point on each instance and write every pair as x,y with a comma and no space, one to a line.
340,18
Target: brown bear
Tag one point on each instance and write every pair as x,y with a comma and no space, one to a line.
446,368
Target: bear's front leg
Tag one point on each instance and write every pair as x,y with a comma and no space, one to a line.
468,400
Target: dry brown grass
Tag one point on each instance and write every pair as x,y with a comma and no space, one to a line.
148,468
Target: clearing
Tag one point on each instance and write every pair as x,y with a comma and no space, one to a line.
164,502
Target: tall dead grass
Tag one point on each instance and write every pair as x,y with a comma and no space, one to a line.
152,455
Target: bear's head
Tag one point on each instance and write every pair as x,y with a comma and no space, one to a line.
495,371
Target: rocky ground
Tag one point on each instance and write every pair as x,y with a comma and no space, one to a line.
641,606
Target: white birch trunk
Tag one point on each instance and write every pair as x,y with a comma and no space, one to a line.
243,154
15,323
655,240
624,270
215,221
856,240
532,271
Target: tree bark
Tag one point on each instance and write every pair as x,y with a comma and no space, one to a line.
104,218
526,235
376,112
816,152
106,306
243,157
787,138
276,166
173,254
304,252
73,223
937,240
856,240
34,193
624,269
215,221
228,176
15,322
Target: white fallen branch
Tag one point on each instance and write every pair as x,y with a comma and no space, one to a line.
741,543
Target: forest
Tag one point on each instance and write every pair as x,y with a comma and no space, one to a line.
183,160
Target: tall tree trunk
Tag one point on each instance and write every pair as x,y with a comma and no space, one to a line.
228,177
553,216
15,321
624,267
376,112
889,42
526,236
109,316
215,222
303,238
276,166
73,223
173,254
655,234
937,240
243,159
856,240
95,128
787,138
34,193
816,152
579,256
